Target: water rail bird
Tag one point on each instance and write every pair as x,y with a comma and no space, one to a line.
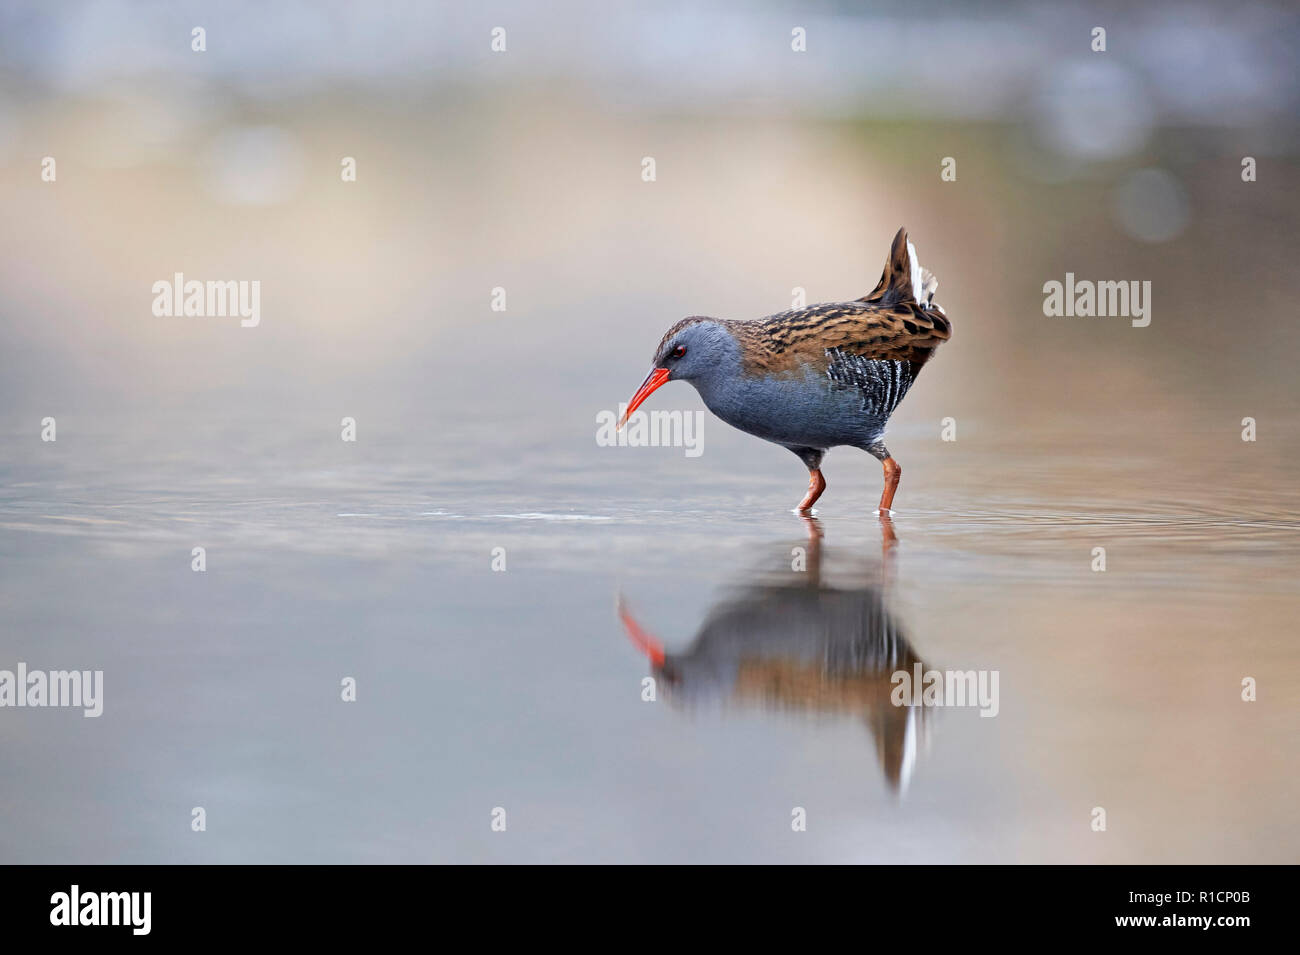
813,378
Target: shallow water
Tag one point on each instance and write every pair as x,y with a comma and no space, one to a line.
521,689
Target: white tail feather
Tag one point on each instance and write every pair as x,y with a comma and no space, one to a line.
924,284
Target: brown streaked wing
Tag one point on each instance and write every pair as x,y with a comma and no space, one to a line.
783,342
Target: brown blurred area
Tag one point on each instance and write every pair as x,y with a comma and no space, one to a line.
522,170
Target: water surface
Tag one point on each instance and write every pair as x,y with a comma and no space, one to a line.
482,688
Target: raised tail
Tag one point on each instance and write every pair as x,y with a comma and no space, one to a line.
903,279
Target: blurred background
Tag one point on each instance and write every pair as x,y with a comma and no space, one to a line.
522,169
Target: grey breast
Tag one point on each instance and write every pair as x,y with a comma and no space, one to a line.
847,404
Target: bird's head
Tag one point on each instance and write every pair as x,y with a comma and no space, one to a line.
687,677
689,351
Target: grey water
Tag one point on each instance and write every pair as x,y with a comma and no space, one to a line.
1105,516
487,620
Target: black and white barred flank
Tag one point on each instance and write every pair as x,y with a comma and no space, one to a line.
881,382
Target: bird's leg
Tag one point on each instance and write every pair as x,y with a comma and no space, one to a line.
812,459
816,484
888,541
893,471
814,552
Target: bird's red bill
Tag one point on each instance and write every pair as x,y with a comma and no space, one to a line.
652,381
652,648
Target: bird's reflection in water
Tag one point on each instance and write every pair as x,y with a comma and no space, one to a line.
789,642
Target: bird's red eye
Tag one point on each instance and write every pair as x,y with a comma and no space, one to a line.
679,351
